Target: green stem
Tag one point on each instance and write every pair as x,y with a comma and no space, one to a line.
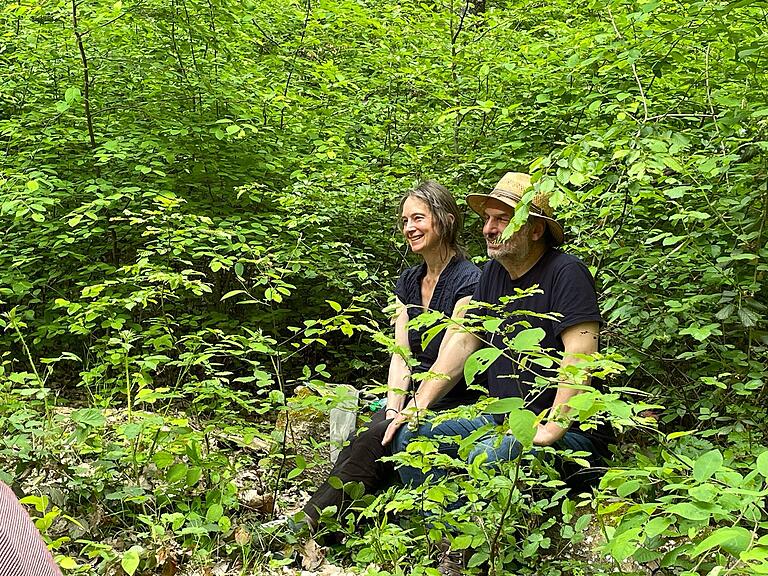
28,353
128,388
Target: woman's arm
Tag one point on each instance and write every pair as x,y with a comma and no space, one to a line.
450,363
456,347
399,378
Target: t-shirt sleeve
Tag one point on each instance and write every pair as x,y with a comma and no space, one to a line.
574,297
466,283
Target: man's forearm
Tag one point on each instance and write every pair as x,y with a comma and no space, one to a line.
450,368
577,340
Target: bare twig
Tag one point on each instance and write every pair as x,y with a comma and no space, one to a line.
634,69
86,78
295,56
267,36
463,15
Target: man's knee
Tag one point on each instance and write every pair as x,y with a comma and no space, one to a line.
496,449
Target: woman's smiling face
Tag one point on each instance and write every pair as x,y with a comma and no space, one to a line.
418,227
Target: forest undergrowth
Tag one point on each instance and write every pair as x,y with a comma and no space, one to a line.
198,203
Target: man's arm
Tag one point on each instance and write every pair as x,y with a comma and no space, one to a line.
454,351
577,339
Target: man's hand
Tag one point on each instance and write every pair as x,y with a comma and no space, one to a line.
549,433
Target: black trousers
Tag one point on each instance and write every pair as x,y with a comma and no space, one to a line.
357,462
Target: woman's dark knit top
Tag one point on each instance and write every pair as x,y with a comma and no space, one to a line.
458,280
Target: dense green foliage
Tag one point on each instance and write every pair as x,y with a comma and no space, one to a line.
198,212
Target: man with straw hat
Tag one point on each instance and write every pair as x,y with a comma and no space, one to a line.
560,292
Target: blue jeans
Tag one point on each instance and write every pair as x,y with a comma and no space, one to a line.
495,446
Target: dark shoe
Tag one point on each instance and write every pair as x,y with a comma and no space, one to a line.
450,562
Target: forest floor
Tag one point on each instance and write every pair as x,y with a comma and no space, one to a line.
95,458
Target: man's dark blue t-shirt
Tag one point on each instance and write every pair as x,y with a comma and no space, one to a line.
568,293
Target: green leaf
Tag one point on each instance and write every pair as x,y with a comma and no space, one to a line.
528,339
504,406
461,542
701,333
176,473
294,473
628,488
477,559
71,94
130,560
215,511
623,545
232,293
225,524
703,492
707,464
67,563
479,362
354,490
689,511
335,305
193,475
748,318
680,434
522,425
733,539
673,164
272,294
762,464
91,417
657,526
163,459
582,522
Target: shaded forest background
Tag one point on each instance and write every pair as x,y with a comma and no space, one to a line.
198,204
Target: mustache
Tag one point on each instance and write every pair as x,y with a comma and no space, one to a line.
495,240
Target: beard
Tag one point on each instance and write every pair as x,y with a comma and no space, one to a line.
517,248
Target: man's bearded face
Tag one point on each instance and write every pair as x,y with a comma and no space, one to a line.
496,219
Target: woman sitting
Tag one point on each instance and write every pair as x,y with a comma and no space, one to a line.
444,281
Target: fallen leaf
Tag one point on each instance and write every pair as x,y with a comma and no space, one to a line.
242,536
263,503
312,555
169,568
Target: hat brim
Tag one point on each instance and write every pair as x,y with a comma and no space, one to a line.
477,203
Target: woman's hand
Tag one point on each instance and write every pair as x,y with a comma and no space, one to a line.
409,414
395,403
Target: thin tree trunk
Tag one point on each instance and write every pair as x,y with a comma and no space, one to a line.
86,77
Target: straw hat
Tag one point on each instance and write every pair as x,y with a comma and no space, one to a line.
509,191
